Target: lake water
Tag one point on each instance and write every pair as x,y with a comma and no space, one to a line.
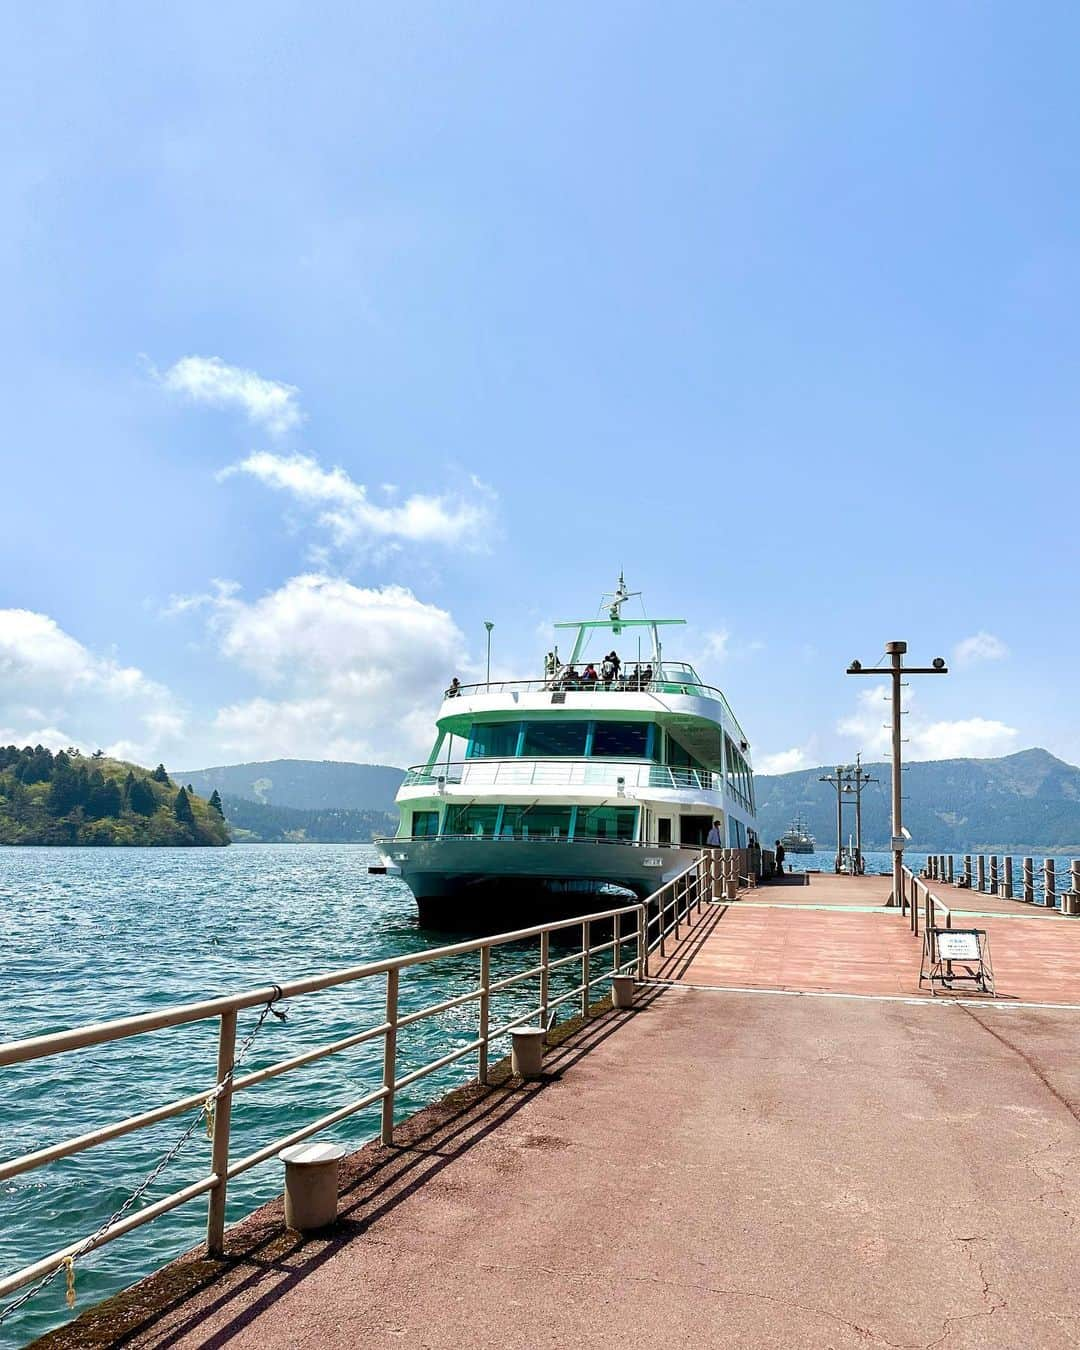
90,934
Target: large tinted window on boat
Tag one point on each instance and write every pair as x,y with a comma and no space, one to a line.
620,740
493,740
556,738
536,822
476,820
425,822
606,822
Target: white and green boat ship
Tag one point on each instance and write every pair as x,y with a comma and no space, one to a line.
595,775
798,838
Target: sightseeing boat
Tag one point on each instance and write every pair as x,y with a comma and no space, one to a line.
598,775
798,838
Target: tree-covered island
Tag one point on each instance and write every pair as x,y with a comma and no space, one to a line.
70,798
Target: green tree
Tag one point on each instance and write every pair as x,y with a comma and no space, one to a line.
215,802
141,798
182,809
105,800
159,775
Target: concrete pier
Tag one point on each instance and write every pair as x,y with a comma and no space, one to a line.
781,1144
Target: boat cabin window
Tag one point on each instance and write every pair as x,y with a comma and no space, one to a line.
663,830
565,739
425,823
606,822
536,822
476,820
493,740
550,739
621,740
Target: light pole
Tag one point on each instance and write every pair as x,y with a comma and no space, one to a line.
895,651
489,626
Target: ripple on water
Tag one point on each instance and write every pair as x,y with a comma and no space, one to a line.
90,934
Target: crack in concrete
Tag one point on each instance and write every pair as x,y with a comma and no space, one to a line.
1072,1108
865,1333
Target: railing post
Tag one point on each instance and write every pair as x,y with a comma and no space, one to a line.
661,920
967,870
952,871
993,874
1075,875
643,942
678,897
1029,881
389,1070
1007,879
219,1152
586,944
980,872
485,1012
616,948
1048,883
545,975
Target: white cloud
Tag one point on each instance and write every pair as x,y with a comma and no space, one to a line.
980,647
964,738
209,380
347,672
716,644
56,692
969,738
352,518
783,761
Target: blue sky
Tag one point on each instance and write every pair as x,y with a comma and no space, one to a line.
331,331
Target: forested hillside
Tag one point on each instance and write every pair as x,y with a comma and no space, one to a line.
1030,799
253,822
69,798
307,785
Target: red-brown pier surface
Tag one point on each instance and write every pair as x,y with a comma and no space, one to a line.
725,1165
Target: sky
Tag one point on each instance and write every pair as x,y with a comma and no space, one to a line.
330,332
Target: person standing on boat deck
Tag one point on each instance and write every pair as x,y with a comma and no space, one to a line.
455,688
779,859
607,672
589,676
715,840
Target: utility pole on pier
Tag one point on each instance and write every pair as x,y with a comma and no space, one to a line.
842,779
895,651
860,780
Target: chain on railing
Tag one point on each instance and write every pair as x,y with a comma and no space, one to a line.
214,1104
714,874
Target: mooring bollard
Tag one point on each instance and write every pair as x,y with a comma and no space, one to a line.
1029,881
980,872
527,1051
622,991
993,874
311,1185
967,870
952,870
1070,901
1007,879
1048,883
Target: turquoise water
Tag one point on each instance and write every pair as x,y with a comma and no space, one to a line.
90,934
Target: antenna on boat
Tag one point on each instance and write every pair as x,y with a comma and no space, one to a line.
618,598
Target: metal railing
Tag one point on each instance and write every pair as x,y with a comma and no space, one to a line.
915,894
559,772
643,927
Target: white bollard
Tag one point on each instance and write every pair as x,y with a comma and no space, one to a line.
311,1185
622,991
527,1051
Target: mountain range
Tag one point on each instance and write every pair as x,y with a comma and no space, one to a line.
1029,799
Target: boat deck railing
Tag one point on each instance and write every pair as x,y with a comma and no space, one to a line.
560,773
636,931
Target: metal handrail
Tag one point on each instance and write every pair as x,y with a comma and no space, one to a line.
672,903
910,885
525,771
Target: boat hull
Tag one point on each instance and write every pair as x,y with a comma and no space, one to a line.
459,879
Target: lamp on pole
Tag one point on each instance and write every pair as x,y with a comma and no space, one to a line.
489,626
896,670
